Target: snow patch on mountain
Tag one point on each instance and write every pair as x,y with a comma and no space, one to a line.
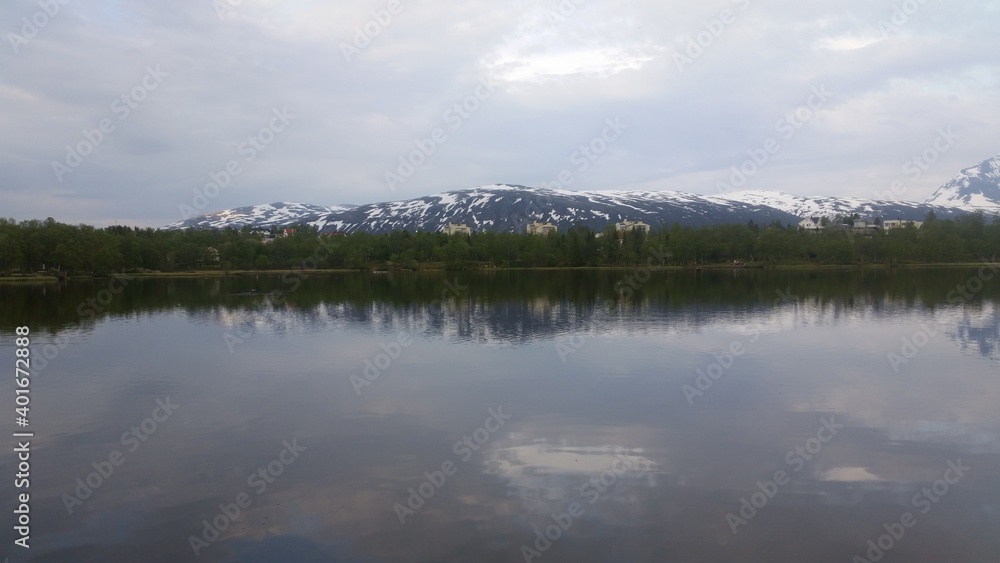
802,206
276,214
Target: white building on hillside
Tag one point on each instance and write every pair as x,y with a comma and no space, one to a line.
538,228
632,226
811,223
456,229
865,224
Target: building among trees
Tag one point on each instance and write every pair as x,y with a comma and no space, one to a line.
899,223
539,228
456,229
811,224
627,225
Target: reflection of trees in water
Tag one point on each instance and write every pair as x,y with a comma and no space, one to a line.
976,330
516,307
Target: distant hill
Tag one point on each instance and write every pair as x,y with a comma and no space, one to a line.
509,208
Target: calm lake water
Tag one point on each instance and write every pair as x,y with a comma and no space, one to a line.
511,416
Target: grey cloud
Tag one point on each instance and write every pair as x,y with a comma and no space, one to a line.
600,60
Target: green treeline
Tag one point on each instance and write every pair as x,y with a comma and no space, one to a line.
33,246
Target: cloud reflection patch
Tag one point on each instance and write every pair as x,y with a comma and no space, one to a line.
849,474
545,471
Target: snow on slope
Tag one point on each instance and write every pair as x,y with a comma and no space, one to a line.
973,189
802,206
269,214
509,208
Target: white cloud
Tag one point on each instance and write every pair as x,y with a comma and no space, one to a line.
848,42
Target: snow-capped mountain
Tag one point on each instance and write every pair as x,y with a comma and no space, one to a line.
509,208
270,214
829,206
973,189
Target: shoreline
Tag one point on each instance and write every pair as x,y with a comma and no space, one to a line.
442,268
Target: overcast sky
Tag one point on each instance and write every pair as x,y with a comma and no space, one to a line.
316,101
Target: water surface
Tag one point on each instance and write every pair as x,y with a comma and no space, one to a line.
633,416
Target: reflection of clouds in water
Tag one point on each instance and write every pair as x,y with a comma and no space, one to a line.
972,437
848,474
978,331
283,548
542,470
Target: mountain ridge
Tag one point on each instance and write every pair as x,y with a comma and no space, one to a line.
510,207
